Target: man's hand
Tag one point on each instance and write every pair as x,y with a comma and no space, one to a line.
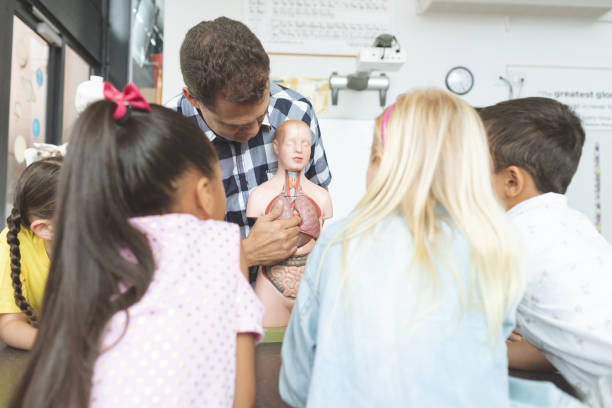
271,240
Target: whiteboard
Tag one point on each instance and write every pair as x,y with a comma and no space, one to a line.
347,146
318,26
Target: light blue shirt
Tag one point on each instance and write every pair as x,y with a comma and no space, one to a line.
391,336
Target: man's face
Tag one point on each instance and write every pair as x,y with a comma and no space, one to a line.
235,121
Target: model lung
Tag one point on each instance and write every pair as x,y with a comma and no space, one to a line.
293,201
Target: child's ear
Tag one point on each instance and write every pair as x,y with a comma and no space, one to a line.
204,196
42,228
514,181
376,158
373,166
514,185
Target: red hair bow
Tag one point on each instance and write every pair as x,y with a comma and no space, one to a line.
130,97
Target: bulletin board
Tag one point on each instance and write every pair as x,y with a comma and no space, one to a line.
331,27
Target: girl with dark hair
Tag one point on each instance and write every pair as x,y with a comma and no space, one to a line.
25,246
151,304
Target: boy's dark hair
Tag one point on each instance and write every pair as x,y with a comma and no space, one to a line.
540,135
35,196
112,172
224,58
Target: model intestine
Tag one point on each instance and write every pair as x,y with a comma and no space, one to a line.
277,285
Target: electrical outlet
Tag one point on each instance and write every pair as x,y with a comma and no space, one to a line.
381,59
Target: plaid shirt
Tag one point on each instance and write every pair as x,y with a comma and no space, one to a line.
249,164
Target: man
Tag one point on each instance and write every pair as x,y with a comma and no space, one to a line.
229,94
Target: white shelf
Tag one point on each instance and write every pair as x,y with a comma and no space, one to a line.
564,8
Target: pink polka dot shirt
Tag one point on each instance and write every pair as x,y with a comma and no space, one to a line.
179,347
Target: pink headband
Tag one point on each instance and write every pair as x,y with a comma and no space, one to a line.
383,126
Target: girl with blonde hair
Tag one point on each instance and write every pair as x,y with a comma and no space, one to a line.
408,301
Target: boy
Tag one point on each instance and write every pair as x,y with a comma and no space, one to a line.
566,311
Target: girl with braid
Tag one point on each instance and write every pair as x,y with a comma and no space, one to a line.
151,305
25,246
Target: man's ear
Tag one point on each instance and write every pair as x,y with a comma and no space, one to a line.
43,229
192,100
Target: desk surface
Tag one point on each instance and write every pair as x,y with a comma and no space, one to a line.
267,367
12,364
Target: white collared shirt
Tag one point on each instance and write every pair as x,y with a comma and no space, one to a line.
567,308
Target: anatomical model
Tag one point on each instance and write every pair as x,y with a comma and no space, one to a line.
277,285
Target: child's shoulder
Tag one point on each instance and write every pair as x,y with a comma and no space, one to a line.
387,227
189,243
176,225
3,243
26,239
550,214
24,233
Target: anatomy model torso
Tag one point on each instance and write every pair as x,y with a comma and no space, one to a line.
293,201
277,285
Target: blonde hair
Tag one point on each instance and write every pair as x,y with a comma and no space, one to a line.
436,153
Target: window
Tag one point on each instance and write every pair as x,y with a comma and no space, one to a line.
76,70
147,43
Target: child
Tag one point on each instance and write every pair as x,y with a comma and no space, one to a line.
409,300
25,246
565,313
151,307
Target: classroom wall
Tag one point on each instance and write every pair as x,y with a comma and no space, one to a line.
435,43
486,44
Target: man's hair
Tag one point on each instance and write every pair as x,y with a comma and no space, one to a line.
540,135
224,58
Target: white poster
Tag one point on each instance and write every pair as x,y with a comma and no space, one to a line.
587,90
318,26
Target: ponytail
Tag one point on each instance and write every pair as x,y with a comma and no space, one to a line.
14,225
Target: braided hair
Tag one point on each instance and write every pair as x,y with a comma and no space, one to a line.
34,197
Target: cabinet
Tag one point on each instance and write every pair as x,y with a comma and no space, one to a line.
563,8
